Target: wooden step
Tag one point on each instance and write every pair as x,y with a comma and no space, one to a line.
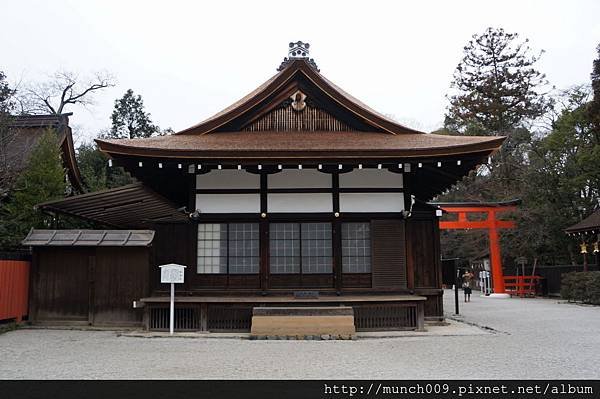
335,321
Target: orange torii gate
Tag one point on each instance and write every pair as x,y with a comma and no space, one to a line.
491,223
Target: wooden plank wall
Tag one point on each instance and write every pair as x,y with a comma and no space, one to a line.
424,253
388,254
173,243
89,285
424,261
310,119
61,284
120,277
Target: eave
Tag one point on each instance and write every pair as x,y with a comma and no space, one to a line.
335,146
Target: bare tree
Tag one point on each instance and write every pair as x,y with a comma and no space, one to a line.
61,90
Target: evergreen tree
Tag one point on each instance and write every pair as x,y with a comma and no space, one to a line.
6,135
6,94
42,180
96,174
497,85
497,91
498,94
594,107
563,176
130,120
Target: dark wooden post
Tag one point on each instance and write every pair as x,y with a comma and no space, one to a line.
337,255
91,287
203,316
264,235
421,316
33,285
337,234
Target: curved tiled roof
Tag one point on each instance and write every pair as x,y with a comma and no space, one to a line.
295,69
269,144
376,134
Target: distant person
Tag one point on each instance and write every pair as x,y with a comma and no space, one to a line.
468,279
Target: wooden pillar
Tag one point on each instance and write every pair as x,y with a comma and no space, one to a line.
91,287
264,255
408,240
337,255
264,235
421,316
337,234
34,285
203,316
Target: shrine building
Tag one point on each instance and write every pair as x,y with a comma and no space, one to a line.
297,194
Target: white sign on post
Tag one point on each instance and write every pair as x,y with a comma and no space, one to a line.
172,274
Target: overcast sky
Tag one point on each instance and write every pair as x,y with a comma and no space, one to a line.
189,60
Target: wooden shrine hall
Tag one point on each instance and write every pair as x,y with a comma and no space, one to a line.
296,195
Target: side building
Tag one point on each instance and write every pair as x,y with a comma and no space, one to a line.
21,137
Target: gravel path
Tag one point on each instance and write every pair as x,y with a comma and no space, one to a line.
534,338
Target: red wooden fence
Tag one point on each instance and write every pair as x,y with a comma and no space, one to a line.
521,285
14,289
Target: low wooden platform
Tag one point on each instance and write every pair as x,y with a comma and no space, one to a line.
285,299
234,313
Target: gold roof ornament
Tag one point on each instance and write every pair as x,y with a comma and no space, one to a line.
298,103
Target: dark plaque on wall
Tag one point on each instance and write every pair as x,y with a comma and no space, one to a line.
306,294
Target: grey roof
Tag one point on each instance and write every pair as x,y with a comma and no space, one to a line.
89,238
56,121
589,224
23,135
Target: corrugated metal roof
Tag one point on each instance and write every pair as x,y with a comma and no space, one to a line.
130,206
89,238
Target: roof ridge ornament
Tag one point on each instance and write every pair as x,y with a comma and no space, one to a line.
298,51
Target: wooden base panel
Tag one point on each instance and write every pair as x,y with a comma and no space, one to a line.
303,322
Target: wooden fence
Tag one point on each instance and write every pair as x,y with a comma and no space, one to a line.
521,285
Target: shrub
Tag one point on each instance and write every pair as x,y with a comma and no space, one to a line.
593,288
565,286
581,287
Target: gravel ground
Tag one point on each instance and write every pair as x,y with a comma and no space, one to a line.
532,338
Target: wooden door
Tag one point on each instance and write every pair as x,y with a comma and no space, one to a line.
61,283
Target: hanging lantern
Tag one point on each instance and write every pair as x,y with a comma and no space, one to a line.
596,250
584,248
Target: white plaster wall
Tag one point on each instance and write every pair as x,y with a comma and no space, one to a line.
371,178
228,203
314,202
371,202
299,178
223,179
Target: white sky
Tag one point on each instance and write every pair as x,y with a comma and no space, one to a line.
190,59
